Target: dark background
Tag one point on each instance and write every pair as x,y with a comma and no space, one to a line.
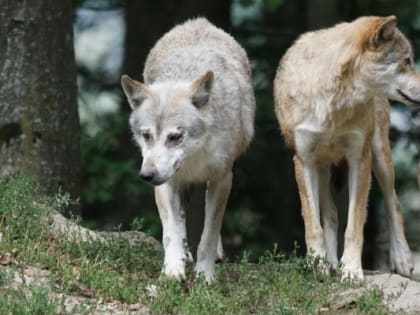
264,207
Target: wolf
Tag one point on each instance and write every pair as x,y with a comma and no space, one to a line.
192,117
331,93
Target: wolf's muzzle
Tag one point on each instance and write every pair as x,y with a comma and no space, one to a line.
147,176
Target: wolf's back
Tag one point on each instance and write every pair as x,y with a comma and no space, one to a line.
197,35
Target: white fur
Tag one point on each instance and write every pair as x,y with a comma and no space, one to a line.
197,83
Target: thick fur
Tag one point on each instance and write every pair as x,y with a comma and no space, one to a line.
331,97
192,118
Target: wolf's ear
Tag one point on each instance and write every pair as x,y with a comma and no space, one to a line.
201,89
384,31
135,91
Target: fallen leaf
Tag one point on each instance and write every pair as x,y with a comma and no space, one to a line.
86,291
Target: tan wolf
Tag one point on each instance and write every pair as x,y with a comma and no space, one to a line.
192,118
331,95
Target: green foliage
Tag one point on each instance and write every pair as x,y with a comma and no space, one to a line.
19,213
370,301
110,179
149,223
34,302
268,4
106,173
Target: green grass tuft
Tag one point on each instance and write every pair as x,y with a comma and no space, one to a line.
19,301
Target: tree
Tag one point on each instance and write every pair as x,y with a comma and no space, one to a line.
39,124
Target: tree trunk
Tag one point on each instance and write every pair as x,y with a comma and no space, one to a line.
39,124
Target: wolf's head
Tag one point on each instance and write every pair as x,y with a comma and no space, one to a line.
167,122
386,59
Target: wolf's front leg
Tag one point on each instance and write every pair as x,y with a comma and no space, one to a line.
359,181
216,198
307,178
174,230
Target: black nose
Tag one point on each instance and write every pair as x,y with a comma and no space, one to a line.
147,176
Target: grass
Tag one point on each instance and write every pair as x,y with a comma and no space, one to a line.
130,273
17,301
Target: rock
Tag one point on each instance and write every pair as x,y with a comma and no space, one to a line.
402,294
344,299
133,237
62,226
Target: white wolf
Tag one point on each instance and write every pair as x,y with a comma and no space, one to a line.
192,118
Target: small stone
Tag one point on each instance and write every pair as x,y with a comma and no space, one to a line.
152,290
5,259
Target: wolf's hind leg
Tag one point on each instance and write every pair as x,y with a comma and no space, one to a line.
399,252
174,231
329,215
220,253
216,198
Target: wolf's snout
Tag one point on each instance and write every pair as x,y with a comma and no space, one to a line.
148,176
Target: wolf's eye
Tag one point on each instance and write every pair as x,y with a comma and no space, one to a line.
407,61
174,137
146,136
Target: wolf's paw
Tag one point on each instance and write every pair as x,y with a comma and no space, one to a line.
321,265
351,272
205,269
333,264
324,269
400,259
317,260
175,270
332,259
